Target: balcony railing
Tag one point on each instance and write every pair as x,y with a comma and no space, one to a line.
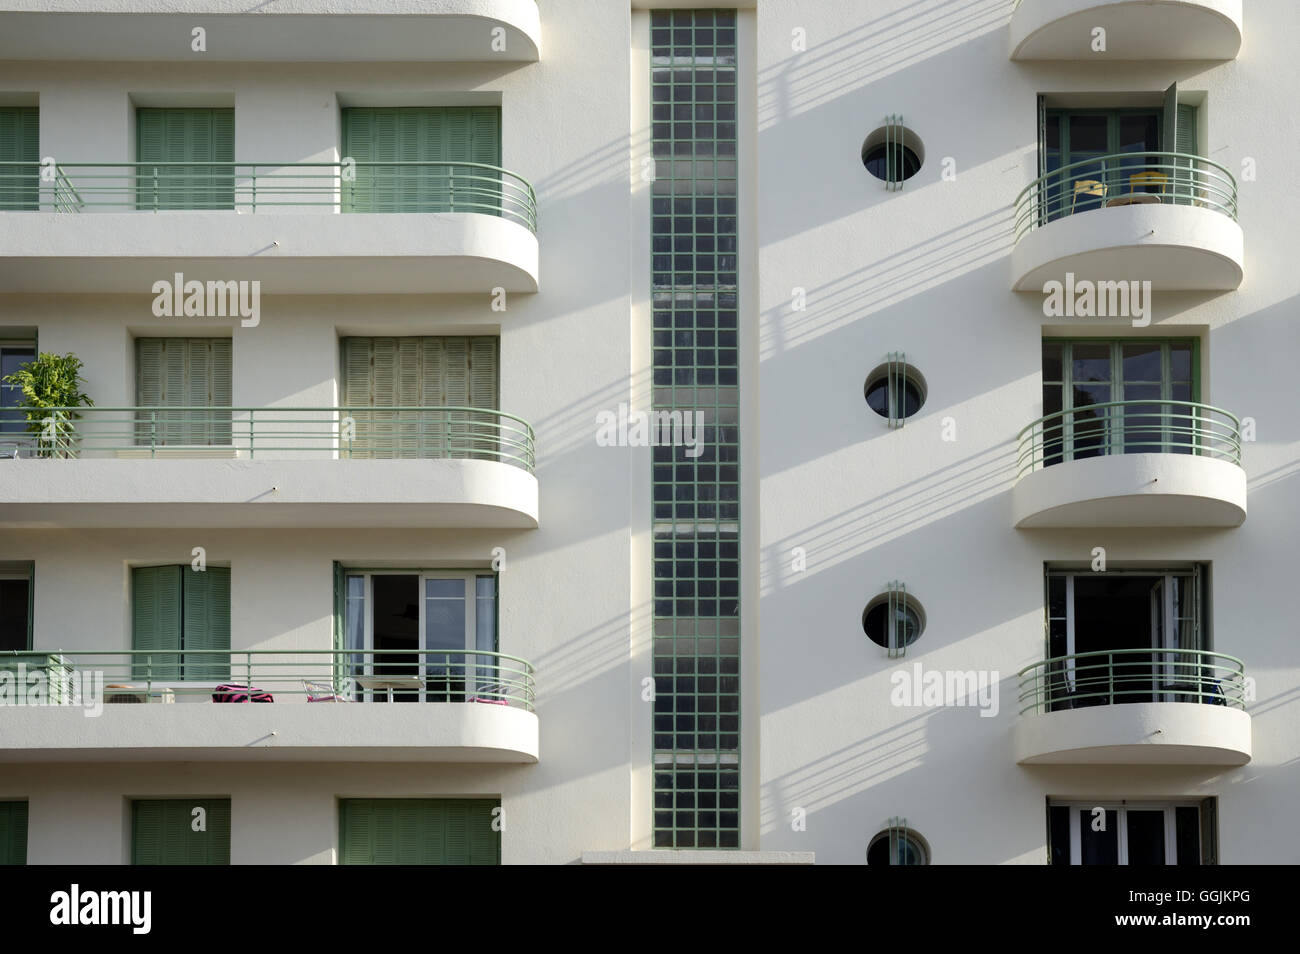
1119,676
344,676
458,433
1121,179
1129,427
268,187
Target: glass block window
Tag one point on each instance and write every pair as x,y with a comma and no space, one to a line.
696,502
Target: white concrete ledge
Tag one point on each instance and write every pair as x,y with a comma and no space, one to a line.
275,732
325,253
1175,247
1153,733
1135,29
243,30
266,493
1132,490
698,857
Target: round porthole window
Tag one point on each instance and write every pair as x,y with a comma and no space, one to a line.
893,620
895,391
893,154
898,846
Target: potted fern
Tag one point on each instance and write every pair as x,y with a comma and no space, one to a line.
50,385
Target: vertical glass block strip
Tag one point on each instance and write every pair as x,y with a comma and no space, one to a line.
696,374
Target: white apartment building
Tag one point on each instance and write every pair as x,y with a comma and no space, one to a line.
613,432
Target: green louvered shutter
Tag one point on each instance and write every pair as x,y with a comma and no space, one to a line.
455,393
425,372
13,833
424,831
166,136
20,142
156,621
206,622
162,832
429,141
184,372
485,148
483,385
1186,144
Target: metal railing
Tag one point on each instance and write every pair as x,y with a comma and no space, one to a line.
307,675
460,433
269,186
1128,178
1119,676
1129,427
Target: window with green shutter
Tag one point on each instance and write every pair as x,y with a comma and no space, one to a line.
175,609
13,833
425,149
180,831
20,142
167,138
419,831
420,372
190,374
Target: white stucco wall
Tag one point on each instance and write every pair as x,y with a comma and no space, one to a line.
564,600
926,271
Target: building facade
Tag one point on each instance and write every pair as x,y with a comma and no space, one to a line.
644,432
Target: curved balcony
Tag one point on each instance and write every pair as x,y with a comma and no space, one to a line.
1165,217
1135,29
1131,464
462,706
1134,706
298,228
372,31
269,467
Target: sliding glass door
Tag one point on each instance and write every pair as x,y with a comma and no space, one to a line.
417,635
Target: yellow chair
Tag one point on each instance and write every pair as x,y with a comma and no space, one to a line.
1139,181
1093,187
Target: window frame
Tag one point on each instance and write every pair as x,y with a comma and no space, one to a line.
1079,810
24,570
366,661
1112,421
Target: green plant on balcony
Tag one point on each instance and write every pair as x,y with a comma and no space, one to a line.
50,385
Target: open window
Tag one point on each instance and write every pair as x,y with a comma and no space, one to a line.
16,593
1094,156
1127,832
14,353
422,636
1131,636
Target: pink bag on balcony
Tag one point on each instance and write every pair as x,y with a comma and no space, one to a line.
226,693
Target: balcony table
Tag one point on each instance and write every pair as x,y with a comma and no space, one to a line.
390,683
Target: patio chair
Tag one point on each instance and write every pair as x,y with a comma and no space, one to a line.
1087,187
324,692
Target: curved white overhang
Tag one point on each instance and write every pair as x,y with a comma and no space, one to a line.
279,732
1175,247
1132,490
1151,733
266,493
361,253
1135,29
408,31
